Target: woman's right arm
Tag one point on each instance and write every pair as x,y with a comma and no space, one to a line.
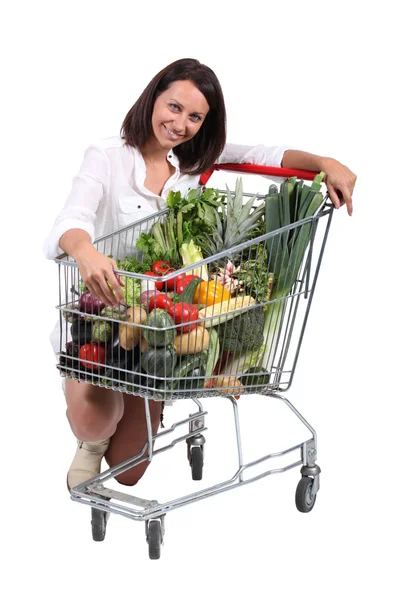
73,231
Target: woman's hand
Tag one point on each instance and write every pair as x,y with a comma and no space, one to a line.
340,182
97,272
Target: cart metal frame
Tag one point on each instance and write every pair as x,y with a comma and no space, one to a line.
103,500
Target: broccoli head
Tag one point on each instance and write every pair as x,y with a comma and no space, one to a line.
244,332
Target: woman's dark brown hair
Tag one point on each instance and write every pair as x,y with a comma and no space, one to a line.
200,153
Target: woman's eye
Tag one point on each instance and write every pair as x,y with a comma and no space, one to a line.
174,106
196,118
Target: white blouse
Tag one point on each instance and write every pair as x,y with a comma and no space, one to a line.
108,191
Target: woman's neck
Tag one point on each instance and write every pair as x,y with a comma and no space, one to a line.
152,152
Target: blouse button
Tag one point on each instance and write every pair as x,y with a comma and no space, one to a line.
139,206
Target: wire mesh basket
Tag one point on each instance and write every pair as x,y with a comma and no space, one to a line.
244,342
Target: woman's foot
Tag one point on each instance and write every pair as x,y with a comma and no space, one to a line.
87,462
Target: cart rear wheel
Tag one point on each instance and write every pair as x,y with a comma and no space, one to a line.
99,524
154,539
304,499
196,462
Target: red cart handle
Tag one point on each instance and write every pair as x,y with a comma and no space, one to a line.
257,170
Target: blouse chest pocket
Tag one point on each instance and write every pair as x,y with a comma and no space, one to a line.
133,208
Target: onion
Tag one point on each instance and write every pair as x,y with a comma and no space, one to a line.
90,304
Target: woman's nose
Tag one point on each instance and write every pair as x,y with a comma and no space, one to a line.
180,123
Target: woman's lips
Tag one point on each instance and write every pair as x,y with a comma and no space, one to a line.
171,135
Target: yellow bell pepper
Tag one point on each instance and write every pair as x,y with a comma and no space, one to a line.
210,292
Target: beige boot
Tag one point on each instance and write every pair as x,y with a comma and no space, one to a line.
87,461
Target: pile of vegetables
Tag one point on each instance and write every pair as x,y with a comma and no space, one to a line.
185,328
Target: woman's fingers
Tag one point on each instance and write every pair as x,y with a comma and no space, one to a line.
333,195
97,272
339,198
119,277
104,293
340,182
115,286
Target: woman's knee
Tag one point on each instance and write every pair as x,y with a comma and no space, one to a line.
132,476
93,413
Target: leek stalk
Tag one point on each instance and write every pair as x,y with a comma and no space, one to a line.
286,250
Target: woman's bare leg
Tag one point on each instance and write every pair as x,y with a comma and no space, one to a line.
93,412
130,436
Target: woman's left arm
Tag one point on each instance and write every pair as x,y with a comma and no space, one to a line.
339,180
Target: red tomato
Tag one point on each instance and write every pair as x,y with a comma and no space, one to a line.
160,301
93,352
180,286
161,267
182,313
172,284
159,284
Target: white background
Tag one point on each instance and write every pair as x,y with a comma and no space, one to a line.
320,76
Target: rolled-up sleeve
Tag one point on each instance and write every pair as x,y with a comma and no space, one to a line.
255,155
79,212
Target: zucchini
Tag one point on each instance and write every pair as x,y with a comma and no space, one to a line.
162,332
188,363
190,290
194,380
213,352
159,362
255,379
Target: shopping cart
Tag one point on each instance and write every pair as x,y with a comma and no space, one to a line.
140,355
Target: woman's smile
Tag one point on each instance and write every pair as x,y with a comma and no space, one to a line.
171,134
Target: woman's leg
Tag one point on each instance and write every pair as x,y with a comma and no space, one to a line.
93,412
130,436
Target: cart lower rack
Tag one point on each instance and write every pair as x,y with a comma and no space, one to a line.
144,351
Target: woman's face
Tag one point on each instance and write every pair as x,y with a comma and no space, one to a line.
178,114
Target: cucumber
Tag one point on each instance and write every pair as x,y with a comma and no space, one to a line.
213,351
159,320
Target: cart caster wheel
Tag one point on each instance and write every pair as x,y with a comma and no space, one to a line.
154,539
304,499
99,524
196,462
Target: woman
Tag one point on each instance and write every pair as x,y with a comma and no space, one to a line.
174,132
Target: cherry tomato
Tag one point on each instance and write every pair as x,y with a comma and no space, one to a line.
92,352
180,286
182,312
172,284
159,284
160,301
162,267
210,292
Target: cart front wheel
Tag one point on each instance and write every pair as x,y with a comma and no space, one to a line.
196,462
154,539
99,524
304,499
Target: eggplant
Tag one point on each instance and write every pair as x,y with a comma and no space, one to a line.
81,331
